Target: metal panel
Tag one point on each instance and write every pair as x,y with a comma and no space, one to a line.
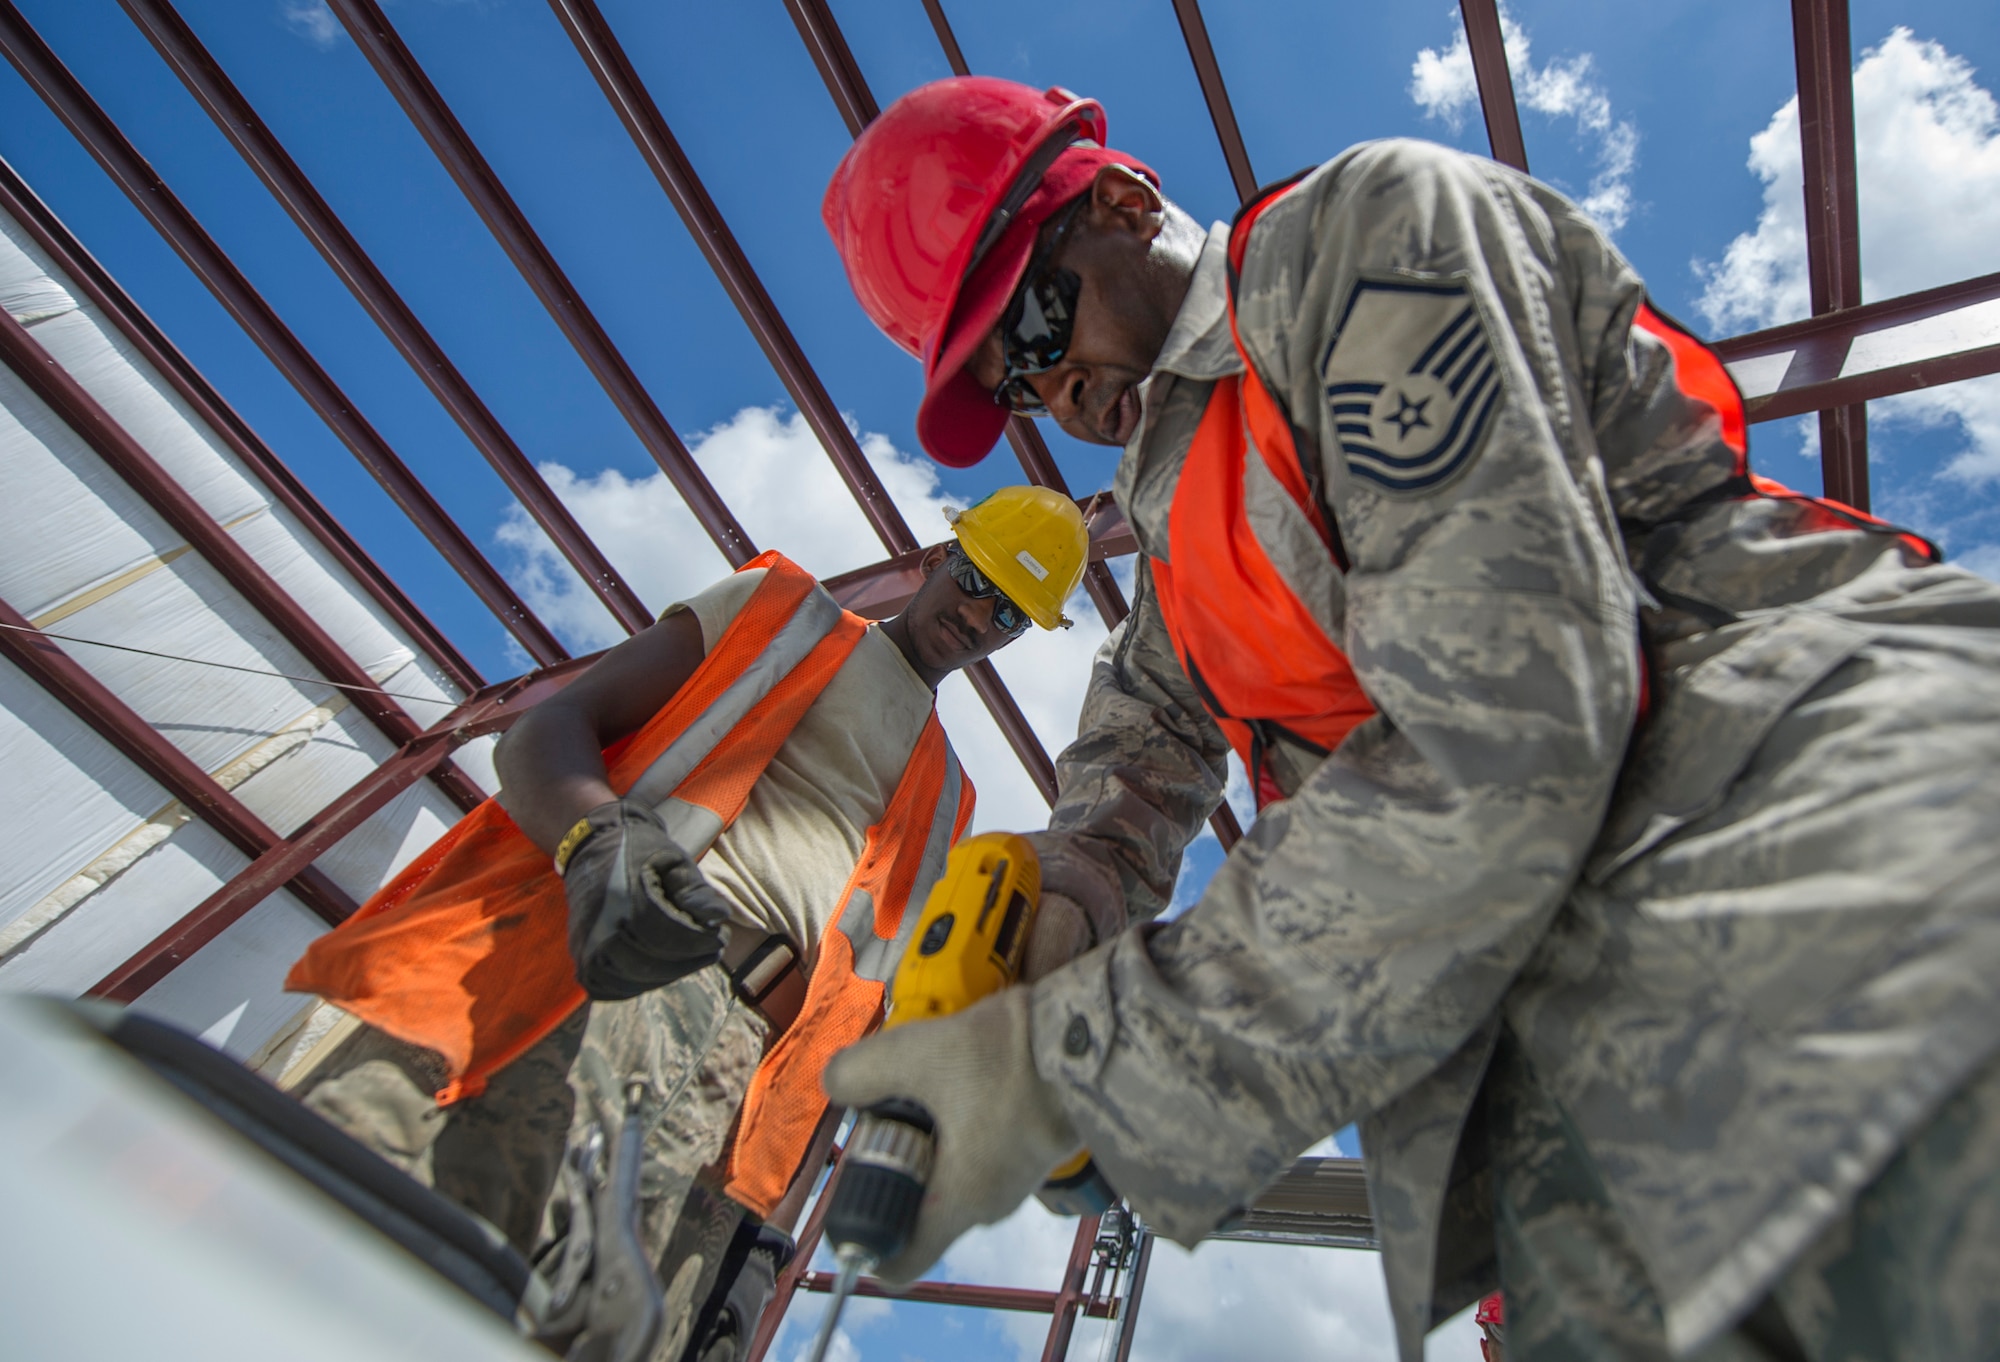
607,61
20,203
1209,72
1496,84
91,126
56,672
68,399
1825,59
448,140
238,121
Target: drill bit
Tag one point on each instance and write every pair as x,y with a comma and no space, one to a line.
853,1261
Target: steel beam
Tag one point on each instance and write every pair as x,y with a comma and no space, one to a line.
91,126
1496,84
643,121
1022,1299
1825,60
1064,1307
84,272
67,681
1135,1294
1940,335
948,40
76,408
835,60
492,710
453,146
258,145
1209,72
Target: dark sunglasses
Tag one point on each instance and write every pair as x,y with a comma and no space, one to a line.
1036,327
1008,617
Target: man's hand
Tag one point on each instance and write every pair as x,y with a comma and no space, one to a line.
640,914
999,1132
1082,904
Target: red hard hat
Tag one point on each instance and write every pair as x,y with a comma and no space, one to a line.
1491,1311
908,206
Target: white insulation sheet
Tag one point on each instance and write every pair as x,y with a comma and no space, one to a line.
96,859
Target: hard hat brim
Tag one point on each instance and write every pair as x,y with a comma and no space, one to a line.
958,420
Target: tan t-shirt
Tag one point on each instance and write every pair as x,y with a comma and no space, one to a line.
784,862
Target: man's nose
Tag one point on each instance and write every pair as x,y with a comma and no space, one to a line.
1058,389
976,614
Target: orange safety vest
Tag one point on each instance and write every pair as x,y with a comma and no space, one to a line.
1259,660
466,951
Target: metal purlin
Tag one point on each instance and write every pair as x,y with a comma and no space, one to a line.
131,172
234,117
452,145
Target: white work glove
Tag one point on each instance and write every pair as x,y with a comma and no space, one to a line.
1082,904
1000,1130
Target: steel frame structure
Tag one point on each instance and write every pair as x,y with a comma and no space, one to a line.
1846,354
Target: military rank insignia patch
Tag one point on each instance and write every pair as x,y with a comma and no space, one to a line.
1413,382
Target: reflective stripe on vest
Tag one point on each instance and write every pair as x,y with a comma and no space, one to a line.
467,950
857,955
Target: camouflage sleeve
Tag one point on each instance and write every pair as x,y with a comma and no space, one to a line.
1367,926
1147,768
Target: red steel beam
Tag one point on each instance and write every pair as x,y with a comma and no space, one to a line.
476,179
794,1273
492,710
1496,85
77,409
643,121
232,113
1071,1296
946,38
1023,1299
21,203
835,60
1209,72
1825,59
133,174
66,679
1832,395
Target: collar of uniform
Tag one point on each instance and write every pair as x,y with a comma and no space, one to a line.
1198,344
1198,349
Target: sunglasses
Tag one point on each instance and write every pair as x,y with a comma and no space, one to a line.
1008,617
1036,327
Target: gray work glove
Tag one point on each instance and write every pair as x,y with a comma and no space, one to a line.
1000,1129
640,914
1082,904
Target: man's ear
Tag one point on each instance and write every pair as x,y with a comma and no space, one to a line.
932,560
1123,200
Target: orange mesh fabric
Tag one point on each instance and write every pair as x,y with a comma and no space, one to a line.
785,1099
467,950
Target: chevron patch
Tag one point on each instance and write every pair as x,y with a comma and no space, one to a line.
1413,383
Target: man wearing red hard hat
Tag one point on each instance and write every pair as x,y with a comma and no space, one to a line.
1628,857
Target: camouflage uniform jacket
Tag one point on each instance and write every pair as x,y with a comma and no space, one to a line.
1486,850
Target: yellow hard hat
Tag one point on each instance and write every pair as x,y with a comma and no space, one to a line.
1031,543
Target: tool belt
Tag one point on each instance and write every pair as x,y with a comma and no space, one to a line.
764,970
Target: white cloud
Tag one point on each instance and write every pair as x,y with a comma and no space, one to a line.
1927,153
1444,85
311,20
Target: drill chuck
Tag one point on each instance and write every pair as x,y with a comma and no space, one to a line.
882,1180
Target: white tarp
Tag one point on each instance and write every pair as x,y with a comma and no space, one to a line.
96,859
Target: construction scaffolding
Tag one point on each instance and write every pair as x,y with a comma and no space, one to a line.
1848,353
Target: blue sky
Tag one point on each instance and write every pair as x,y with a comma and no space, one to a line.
1655,112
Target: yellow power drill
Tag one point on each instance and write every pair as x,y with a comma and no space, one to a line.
969,943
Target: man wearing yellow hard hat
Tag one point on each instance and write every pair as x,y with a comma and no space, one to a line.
691,886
